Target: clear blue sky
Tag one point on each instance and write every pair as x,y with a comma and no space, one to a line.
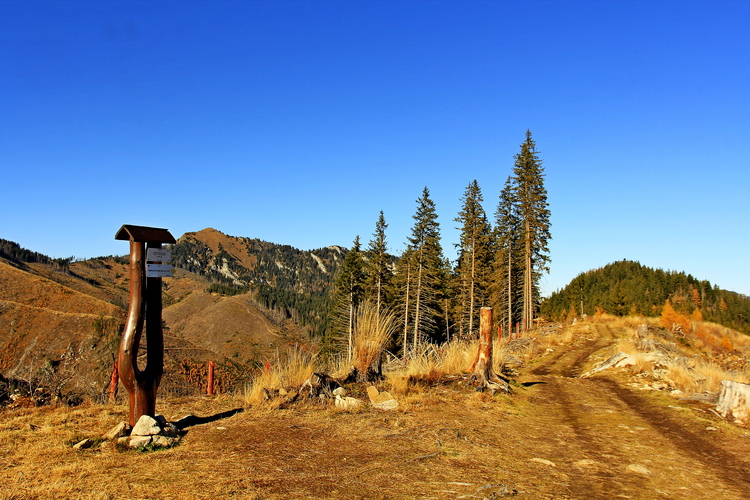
297,122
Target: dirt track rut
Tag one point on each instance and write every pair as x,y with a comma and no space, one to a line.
613,442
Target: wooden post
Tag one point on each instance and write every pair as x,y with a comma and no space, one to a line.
210,387
145,307
481,370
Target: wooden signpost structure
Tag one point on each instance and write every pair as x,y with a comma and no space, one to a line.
145,307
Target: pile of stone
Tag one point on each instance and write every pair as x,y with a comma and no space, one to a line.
154,431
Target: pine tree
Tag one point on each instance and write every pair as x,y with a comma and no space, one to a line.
349,289
506,272
422,276
534,215
474,259
378,265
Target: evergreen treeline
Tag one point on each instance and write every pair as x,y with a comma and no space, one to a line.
497,266
13,251
627,287
292,283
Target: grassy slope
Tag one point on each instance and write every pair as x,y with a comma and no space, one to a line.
557,436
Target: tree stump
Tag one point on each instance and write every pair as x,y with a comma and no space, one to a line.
481,370
734,402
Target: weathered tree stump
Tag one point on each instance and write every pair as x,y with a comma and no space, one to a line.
481,370
734,402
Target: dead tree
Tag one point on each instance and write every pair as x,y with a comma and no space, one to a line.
481,370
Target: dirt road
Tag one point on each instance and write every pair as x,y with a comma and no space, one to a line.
615,442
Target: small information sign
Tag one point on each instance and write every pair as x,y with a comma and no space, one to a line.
159,270
158,255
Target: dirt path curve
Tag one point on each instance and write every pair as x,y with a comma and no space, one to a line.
613,442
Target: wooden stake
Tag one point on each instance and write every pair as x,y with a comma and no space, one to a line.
210,388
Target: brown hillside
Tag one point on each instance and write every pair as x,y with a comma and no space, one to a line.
51,317
233,246
44,323
37,291
230,326
105,278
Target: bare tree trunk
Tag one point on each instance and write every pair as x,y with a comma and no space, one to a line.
406,309
528,291
510,292
379,287
415,340
471,293
481,369
351,326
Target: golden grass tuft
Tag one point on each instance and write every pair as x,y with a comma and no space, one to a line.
291,371
373,330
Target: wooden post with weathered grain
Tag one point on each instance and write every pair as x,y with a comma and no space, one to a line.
481,370
145,307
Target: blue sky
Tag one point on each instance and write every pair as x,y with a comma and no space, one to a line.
297,122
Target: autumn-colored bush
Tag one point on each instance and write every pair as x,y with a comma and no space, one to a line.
671,318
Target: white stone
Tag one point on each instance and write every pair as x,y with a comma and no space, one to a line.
146,426
163,441
388,404
339,391
348,403
138,441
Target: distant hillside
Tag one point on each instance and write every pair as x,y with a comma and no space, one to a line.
627,287
61,320
53,335
293,284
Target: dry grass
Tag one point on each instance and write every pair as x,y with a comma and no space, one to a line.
444,441
290,371
373,330
693,362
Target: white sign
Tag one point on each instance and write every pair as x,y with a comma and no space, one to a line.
158,255
159,270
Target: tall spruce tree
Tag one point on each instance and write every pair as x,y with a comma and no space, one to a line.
378,268
422,276
474,260
349,290
534,219
504,288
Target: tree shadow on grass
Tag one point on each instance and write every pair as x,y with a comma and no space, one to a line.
192,420
535,382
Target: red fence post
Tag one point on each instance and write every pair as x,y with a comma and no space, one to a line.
113,381
210,388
